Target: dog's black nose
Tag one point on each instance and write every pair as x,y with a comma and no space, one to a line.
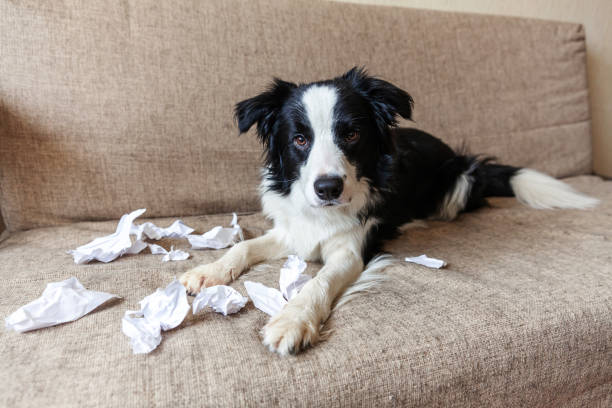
328,187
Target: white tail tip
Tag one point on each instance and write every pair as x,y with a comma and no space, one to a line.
541,191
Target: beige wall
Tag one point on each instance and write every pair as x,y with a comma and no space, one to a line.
595,15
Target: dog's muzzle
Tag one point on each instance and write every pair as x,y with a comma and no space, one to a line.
328,188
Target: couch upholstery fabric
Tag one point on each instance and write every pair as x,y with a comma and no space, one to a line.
520,317
114,105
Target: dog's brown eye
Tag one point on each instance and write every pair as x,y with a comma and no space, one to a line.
352,137
300,141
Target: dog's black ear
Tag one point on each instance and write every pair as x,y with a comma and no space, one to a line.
263,109
387,100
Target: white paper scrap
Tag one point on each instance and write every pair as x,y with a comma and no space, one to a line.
167,306
172,255
157,250
60,302
234,224
136,247
291,281
218,237
427,261
110,247
292,278
144,335
149,230
223,299
163,310
266,299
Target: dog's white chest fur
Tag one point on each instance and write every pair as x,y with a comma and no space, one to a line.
309,232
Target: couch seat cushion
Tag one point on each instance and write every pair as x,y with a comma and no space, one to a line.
521,316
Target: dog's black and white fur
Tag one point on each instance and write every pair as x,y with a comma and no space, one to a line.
340,178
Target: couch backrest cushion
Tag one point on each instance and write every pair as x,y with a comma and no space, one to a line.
110,106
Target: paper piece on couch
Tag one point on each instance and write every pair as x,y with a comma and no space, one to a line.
292,278
60,302
218,237
149,230
427,261
172,255
291,281
163,310
144,335
265,298
221,298
110,247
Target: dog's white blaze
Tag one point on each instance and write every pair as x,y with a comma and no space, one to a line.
325,158
538,190
319,102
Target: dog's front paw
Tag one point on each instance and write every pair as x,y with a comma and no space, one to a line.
290,331
205,276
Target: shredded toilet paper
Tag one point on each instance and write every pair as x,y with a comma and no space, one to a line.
221,298
60,302
291,281
266,299
427,261
149,230
172,255
144,335
218,237
163,310
110,247
292,278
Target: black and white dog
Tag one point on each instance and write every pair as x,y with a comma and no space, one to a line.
340,178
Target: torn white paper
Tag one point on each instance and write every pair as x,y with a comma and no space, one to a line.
163,310
136,247
291,281
221,298
218,237
144,335
110,247
292,278
266,299
427,261
60,302
167,306
149,230
172,255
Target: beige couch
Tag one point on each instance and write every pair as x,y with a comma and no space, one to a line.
106,107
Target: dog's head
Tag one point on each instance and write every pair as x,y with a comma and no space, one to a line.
326,139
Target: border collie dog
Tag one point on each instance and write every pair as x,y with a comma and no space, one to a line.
340,178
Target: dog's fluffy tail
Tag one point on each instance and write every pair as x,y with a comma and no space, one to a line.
539,190
369,279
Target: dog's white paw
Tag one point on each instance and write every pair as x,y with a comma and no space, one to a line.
290,331
204,276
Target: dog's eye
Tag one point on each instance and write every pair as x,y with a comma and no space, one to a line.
351,137
300,141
